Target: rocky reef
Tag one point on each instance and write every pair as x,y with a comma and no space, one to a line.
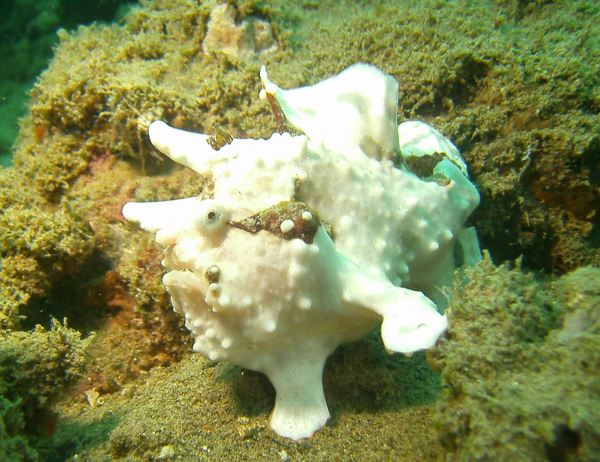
519,365
35,368
515,87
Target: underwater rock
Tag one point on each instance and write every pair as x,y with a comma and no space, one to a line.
519,363
35,367
251,37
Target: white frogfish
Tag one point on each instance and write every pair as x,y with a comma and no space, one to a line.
312,240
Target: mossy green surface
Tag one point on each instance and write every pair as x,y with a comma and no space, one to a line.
515,87
519,366
35,367
14,445
29,30
514,84
40,243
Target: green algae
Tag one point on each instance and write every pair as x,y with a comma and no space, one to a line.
40,242
514,84
14,446
474,72
35,367
519,367
31,27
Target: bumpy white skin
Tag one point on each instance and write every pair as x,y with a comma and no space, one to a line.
282,306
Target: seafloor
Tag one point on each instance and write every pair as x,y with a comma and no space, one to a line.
514,84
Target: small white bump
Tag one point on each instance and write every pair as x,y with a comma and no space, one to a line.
286,226
298,247
270,325
345,220
410,202
296,270
210,333
433,246
304,303
447,234
226,343
313,249
307,216
403,268
197,346
380,244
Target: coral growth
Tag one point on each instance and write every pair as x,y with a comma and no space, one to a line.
34,369
106,83
519,366
40,243
253,36
514,87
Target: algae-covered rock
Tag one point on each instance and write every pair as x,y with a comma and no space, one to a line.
40,243
518,107
35,367
89,111
515,87
31,26
14,445
519,366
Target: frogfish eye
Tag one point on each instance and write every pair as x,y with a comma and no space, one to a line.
210,217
